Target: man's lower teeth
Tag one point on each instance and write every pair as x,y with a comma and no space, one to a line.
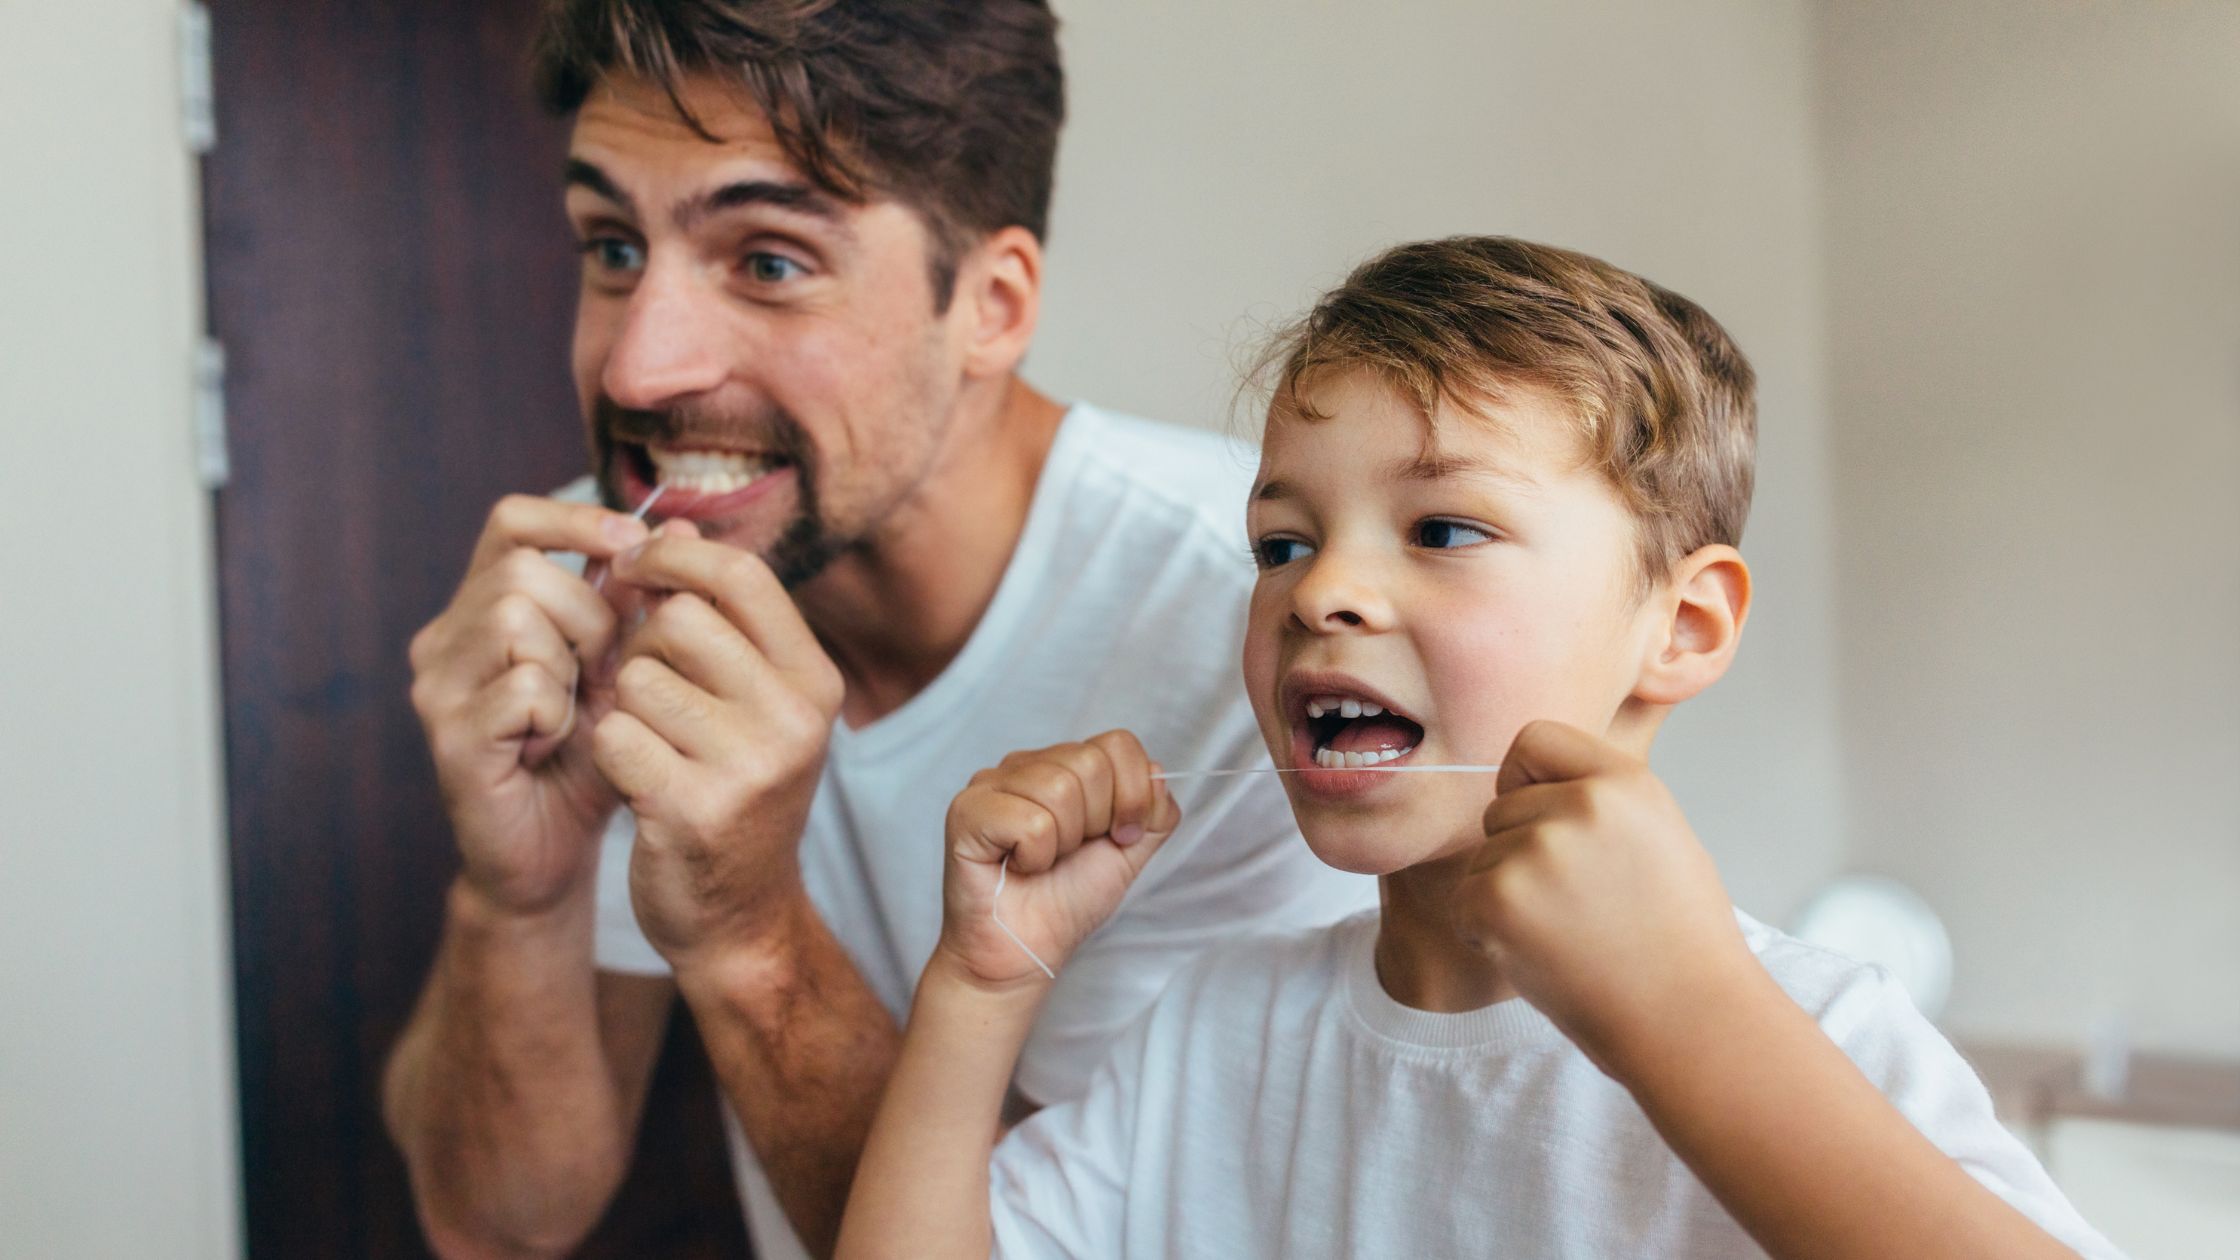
1332,759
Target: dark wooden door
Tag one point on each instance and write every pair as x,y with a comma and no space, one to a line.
391,277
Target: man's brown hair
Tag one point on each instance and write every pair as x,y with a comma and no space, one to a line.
1665,403
951,107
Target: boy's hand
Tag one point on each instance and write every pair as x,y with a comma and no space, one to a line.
1594,896
1076,822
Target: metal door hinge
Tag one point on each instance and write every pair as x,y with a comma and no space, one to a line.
212,462
198,104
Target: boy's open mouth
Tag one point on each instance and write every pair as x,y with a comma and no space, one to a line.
1351,732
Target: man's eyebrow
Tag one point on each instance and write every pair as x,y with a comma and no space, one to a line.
781,195
582,174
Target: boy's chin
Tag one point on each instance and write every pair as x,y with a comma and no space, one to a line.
1370,850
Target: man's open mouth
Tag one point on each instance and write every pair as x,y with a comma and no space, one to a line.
698,470
1351,732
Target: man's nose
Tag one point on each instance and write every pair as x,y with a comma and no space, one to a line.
1339,594
670,347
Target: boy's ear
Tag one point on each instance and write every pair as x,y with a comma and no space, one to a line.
999,291
1705,602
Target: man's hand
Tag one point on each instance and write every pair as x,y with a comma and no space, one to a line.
494,683
1076,823
1595,897
723,707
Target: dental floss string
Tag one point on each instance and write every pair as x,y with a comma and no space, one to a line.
1003,869
599,583
1223,774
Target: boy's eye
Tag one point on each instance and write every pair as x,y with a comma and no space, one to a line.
1441,534
1273,553
771,268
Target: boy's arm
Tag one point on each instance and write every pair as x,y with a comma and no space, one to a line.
1062,832
1595,899
1799,1145
921,1188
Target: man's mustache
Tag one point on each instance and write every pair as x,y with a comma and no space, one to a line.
768,429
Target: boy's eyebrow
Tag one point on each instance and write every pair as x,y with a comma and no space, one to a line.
1438,466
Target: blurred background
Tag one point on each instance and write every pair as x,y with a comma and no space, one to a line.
1985,255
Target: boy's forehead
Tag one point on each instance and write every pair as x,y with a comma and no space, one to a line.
1362,427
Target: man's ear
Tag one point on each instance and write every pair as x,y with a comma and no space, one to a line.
1703,604
999,288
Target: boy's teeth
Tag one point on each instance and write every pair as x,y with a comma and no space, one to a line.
1332,759
1315,709
1369,709
1349,708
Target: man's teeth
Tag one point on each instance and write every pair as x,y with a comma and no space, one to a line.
1343,706
1332,759
707,472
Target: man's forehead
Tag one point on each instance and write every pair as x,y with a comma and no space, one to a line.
633,122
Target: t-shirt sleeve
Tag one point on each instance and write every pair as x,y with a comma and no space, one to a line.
1057,1185
1236,867
618,943
1921,1073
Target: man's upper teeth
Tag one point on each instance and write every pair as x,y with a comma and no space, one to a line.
709,472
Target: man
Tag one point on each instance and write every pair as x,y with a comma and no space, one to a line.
716,764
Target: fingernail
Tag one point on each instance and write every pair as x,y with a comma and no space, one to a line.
1127,833
621,531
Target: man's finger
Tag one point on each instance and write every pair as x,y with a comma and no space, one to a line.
705,647
525,520
1548,752
740,586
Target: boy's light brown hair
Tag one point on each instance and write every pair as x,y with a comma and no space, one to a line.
1665,402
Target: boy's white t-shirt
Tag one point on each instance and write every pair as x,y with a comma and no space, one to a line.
1276,1102
1123,606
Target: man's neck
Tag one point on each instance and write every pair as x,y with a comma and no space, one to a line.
895,613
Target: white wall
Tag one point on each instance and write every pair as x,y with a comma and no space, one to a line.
116,1067
1235,158
2034,252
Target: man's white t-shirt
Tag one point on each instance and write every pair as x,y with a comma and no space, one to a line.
1275,1101
1123,606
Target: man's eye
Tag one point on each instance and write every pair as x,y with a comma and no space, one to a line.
772,268
1271,553
613,253
1442,534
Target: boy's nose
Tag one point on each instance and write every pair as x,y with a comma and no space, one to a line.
1334,598
670,347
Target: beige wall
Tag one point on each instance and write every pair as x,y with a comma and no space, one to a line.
1231,159
116,1068
2034,260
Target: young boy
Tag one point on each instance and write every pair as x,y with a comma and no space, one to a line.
1495,520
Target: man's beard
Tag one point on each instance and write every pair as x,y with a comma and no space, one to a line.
805,545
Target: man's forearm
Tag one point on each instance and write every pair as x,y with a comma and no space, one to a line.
500,1093
1803,1150
922,1190
803,1049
